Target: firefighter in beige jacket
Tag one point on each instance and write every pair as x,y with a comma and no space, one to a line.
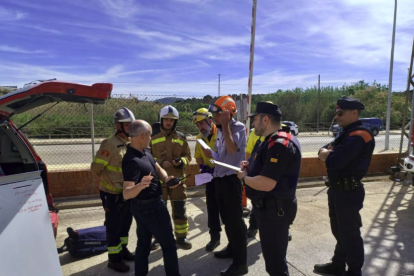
107,166
170,148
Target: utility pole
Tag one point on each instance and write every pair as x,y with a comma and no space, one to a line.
319,102
388,121
219,84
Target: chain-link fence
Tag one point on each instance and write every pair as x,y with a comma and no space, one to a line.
62,135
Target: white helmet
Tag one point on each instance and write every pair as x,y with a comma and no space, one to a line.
124,115
169,112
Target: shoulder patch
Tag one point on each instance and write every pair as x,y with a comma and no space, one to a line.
363,134
105,153
181,135
281,140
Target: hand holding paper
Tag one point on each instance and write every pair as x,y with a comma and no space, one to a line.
205,146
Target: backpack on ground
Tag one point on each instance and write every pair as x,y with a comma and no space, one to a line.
85,243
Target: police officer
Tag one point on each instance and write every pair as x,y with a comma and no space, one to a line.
252,142
142,177
208,132
107,167
170,148
230,145
347,161
271,178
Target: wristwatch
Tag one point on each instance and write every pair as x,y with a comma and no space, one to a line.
242,180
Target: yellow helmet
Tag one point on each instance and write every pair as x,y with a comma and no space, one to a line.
201,114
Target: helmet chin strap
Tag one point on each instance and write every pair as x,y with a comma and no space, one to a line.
123,130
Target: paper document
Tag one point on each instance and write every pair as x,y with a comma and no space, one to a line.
205,146
203,178
237,169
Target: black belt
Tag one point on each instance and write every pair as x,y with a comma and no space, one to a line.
270,202
146,201
343,185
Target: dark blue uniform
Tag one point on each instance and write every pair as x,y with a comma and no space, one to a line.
150,213
278,158
347,164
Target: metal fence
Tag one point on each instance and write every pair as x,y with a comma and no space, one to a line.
62,136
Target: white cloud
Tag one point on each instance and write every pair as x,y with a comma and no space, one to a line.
18,50
120,8
10,15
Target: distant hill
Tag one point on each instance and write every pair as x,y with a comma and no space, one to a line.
169,100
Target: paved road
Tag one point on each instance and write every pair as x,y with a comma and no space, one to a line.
80,155
387,219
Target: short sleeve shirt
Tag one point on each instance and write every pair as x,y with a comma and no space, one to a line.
136,165
275,161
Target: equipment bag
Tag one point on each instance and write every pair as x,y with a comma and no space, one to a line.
85,243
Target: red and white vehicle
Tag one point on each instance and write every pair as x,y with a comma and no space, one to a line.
17,155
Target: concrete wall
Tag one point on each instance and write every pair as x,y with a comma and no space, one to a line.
73,183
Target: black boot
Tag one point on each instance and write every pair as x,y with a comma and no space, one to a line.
127,255
118,266
330,268
212,244
234,270
155,245
184,243
289,236
224,254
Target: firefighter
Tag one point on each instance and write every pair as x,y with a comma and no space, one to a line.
208,132
170,148
107,166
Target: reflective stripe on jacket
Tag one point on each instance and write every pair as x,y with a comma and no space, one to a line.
168,148
107,164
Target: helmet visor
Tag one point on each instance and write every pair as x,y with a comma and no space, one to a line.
214,108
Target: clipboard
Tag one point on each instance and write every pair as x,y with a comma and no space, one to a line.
237,169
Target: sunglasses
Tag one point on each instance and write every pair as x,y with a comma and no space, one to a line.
214,108
341,112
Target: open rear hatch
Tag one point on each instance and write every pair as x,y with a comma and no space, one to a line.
32,96
46,92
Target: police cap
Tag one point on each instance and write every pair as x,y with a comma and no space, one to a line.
349,103
267,108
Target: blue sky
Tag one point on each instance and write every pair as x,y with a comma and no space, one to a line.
179,46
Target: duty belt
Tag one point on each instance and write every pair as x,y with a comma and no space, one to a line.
269,202
344,185
147,201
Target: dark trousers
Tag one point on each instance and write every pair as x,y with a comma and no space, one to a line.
273,231
213,213
252,220
229,197
117,225
344,207
153,219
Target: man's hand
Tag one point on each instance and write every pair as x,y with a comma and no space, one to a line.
168,179
208,153
145,181
176,164
225,117
244,165
241,174
166,164
323,153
